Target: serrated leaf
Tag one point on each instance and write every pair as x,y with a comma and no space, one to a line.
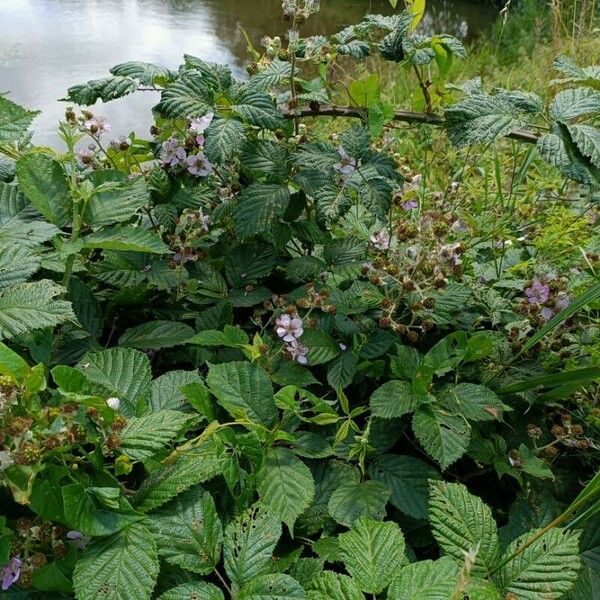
105,89
30,306
257,108
445,437
285,485
259,207
197,590
188,531
17,264
122,372
224,138
546,569
244,390
116,205
188,96
14,120
356,499
334,586
573,103
372,552
175,476
166,390
126,239
408,478
272,587
587,140
144,436
273,74
426,580
42,179
393,399
462,524
341,371
473,402
83,513
248,546
482,118
123,566
146,73
321,346
154,335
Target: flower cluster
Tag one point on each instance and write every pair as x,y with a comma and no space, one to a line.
190,155
289,328
546,299
299,10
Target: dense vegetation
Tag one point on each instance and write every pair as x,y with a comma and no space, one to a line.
260,356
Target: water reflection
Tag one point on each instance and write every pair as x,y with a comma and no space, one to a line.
48,45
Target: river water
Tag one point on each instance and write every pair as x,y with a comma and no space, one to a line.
48,45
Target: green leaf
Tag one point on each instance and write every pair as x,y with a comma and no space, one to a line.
406,361
321,346
166,392
408,478
342,370
334,586
473,402
258,109
188,531
12,364
393,399
244,390
30,306
84,513
126,239
285,485
123,566
146,73
426,580
445,437
271,75
145,436
178,474
14,120
154,335
248,546
224,138
259,207
462,524
42,179
545,569
231,337
482,118
356,499
188,96
372,552
198,590
573,103
116,204
272,587
587,140
122,372
106,89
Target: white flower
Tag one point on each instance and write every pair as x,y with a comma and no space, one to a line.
381,240
298,351
6,460
200,125
113,403
347,164
289,328
98,125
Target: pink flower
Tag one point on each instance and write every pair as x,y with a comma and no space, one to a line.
410,205
201,124
85,156
562,301
298,352
200,141
172,153
381,239
10,572
289,328
98,126
199,165
547,313
538,292
78,540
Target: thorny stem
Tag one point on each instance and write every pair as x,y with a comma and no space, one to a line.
424,89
